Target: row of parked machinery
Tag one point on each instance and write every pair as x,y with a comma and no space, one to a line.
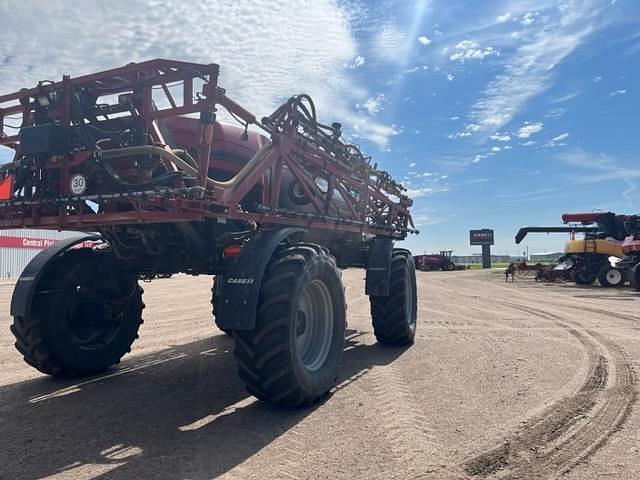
609,251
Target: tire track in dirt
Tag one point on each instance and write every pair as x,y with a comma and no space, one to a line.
572,428
395,411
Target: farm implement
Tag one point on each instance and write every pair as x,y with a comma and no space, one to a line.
588,258
136,157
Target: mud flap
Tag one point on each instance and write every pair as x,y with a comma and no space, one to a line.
379,267
26,285
241,288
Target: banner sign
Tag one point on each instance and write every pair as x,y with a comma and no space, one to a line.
32,242
481,237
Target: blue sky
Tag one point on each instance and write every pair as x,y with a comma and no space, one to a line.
494,114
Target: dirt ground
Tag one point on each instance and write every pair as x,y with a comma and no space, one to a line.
504,380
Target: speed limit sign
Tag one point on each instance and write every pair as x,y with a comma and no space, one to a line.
78,184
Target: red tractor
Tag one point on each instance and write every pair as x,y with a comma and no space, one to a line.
434,261
136,158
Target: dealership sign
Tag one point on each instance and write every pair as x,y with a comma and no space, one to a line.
481,237
32,242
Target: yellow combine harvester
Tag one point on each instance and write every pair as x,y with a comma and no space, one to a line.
589,258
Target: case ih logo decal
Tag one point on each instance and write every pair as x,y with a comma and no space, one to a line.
481,237
241,281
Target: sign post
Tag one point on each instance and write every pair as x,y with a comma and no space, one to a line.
483,237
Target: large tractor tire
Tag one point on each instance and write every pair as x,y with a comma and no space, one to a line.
634,277
84,316
450,267
611,277
394,316
215,298
291,357
583,276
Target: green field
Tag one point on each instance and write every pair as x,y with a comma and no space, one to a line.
478,266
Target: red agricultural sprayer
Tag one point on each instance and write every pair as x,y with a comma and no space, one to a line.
135,157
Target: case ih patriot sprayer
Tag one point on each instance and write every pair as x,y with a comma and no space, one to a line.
116,154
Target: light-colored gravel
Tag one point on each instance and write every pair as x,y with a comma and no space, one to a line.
505,380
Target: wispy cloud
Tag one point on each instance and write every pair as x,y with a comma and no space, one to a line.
600,168
390,44
617,93
372,105
528,71
252,70
568,96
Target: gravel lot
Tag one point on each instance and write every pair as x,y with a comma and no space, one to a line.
505,380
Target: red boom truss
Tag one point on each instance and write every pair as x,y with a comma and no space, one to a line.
354,195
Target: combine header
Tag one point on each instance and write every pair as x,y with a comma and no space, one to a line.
119,155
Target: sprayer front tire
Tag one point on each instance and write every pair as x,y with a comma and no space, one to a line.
291,357
84,318
394,316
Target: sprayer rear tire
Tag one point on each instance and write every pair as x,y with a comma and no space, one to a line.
634,277
611,277
291,357
394,316
72,330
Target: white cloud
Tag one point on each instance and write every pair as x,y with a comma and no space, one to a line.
450,77
529,18
495,149
363,126
597,79
453,136
357,62
372,105
529,129
560,137
423,191
248,65
469,50
617,93
504,18
529,143
500,137
424,40
390,43
568,96
527,72
412,164
455,118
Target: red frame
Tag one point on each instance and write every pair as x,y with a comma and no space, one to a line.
378,207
